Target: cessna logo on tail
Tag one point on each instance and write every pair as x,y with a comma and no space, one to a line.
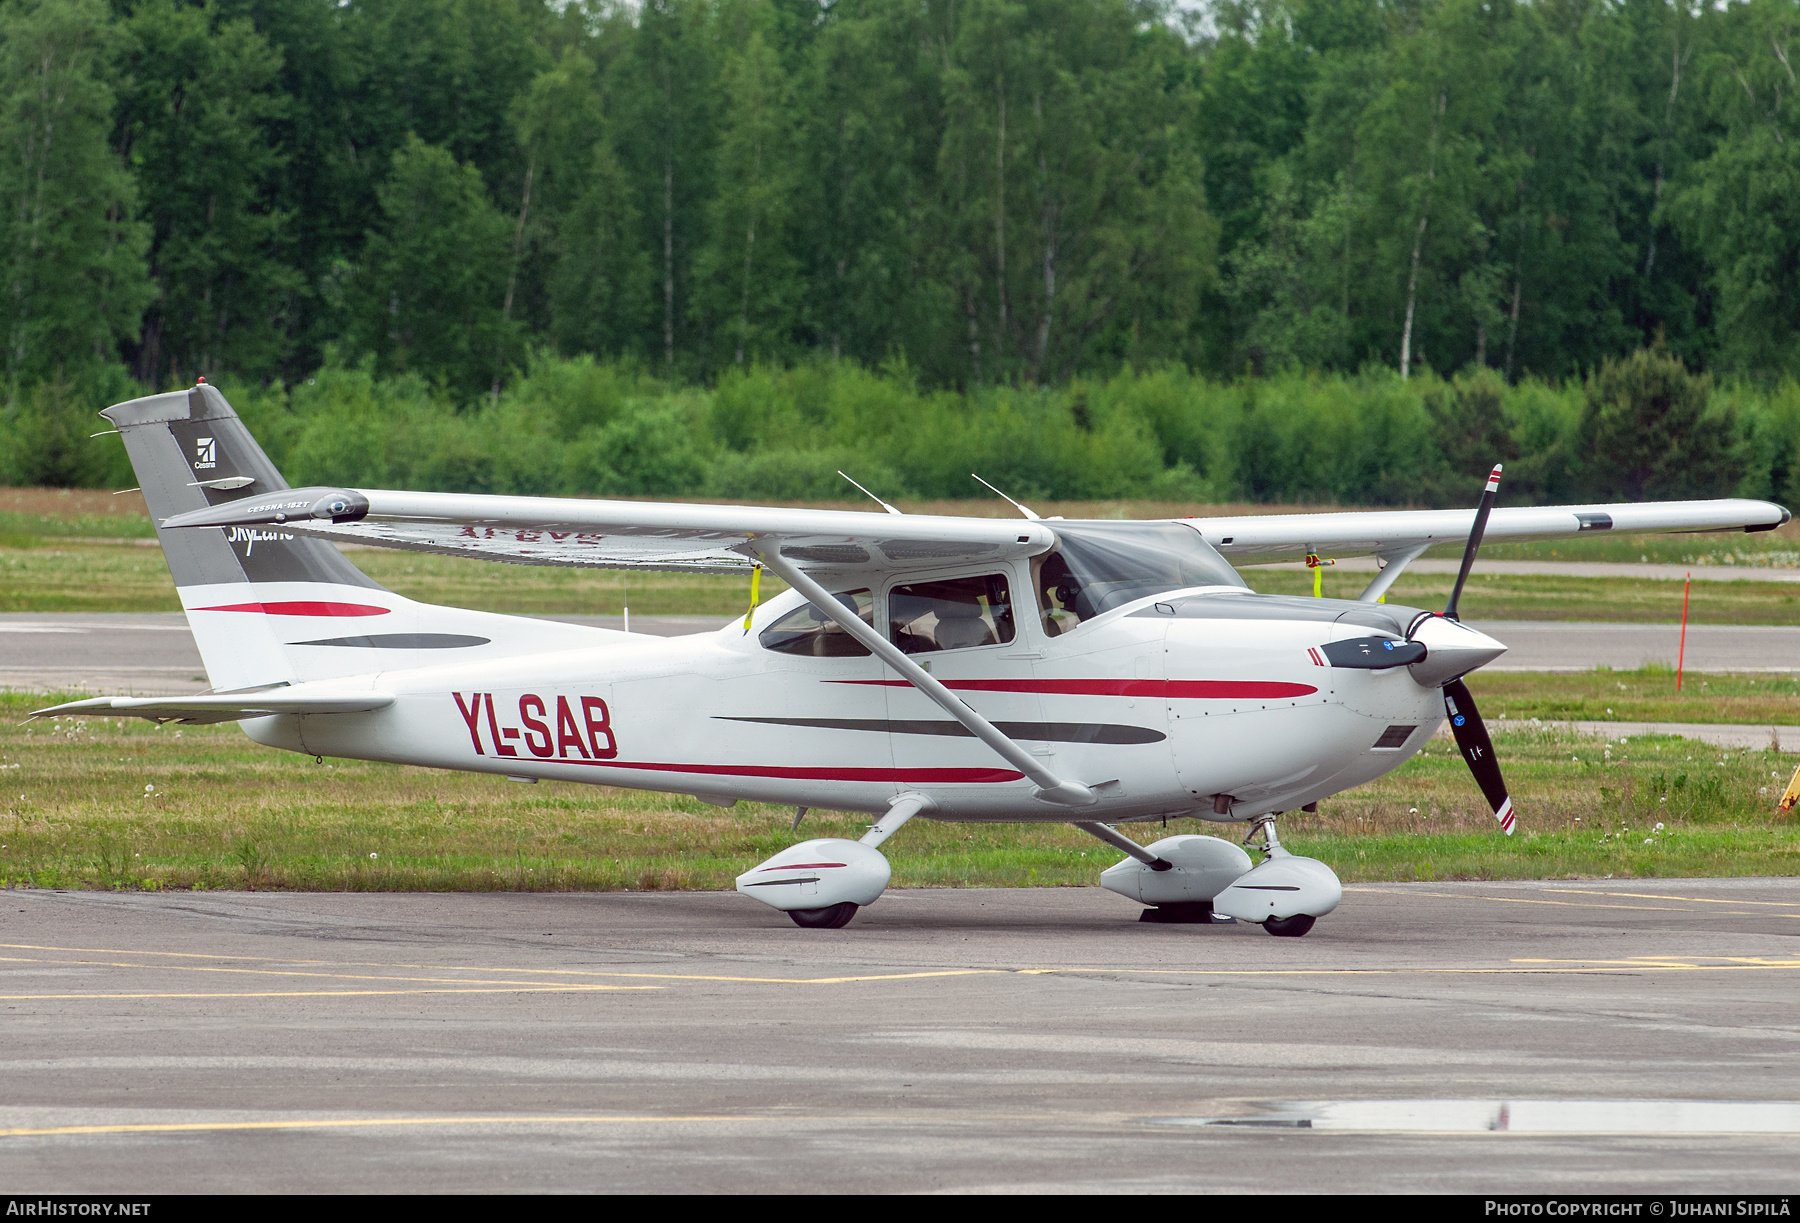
206,453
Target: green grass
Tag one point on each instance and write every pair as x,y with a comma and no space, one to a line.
1646,695
122,805
1492,596
77,577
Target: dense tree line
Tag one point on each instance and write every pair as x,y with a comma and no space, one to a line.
974,196
991,192
1643,426
988,191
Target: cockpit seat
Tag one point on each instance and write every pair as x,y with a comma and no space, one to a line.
959,626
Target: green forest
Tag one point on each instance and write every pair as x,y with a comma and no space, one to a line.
1338,250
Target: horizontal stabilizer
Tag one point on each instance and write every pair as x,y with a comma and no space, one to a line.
224,706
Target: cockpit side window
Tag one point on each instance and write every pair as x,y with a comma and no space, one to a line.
1097,566
807,631
955,614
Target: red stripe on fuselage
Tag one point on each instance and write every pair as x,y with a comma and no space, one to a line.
806,773
1189,689
303,609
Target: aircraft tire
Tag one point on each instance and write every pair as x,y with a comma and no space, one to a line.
1290,927
831,917
1193,912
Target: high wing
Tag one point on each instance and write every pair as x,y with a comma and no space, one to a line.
724,538
1392,534
626,534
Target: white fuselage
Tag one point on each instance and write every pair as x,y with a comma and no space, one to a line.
1157,710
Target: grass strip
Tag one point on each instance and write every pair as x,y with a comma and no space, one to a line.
120,804
65,576
1644,695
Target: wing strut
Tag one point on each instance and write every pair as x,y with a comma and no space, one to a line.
1051,788
1124,844
1396,565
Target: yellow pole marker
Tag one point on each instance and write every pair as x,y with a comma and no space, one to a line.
1791,795
755,596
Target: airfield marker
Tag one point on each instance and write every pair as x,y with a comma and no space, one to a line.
1681,654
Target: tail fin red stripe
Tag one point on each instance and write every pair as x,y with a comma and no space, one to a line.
302,609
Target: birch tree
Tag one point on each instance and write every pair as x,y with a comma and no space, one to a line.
201,101
747,279
72,279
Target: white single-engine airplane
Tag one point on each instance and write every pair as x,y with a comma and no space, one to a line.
957,668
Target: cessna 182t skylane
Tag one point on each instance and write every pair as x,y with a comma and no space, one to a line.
957,668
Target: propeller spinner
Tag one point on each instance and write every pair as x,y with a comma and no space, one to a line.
1452,651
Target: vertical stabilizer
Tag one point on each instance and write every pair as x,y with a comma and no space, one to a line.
269,607
190,451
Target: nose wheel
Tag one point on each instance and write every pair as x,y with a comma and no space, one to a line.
831,917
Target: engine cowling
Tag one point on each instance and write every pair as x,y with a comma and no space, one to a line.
818,874
1283,886
1201,868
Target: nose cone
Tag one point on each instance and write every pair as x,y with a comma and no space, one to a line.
1452,650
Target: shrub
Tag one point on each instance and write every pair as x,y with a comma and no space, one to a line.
1646,431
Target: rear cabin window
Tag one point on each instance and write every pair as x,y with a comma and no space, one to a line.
956,614
807,631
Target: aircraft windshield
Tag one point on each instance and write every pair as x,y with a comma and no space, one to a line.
1096,567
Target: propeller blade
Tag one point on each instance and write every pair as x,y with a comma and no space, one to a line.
1472,738
1481,517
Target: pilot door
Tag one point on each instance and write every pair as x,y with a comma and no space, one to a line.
965,630
820,698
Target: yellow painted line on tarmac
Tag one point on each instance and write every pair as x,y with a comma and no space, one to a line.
1512,968
267,972
186,955
1680,962
1699,900
1523,900
1515,968
573,988
559,972
344,1123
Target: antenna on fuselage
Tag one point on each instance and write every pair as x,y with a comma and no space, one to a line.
1021,507
871,496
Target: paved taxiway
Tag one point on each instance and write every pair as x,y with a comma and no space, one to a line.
154,652
1006,1041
